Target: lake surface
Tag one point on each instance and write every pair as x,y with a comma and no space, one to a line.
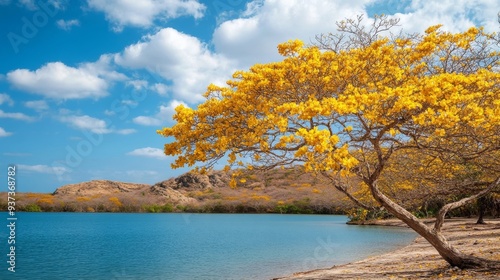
187,246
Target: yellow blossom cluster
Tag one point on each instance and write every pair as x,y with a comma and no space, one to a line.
316,106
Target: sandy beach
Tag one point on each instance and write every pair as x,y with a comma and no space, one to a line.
420,260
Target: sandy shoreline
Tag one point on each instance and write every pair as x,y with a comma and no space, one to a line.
420,259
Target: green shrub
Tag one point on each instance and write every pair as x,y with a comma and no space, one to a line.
296,208
32,208
155,208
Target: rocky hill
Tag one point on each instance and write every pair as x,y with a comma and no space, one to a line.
195,181
278,190
103,188
99,187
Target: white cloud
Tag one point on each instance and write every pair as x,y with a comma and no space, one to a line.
145,12
45,169
130,103
4,133
4,98
58,81
126,131
109,113
455,15
163,116
179,58
34,5
161,89
86,123
137,84
103,68
37,105
148,121
28,4
93,125
267,23
67,24
16,116
148,152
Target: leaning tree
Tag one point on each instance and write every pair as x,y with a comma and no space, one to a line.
356,104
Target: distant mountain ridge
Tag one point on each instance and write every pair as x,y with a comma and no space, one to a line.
170,188
100,187
287,190
190,180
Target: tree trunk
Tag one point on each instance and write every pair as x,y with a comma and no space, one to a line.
433,236
482,208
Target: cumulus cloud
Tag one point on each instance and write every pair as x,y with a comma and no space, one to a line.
270,22
148,152
160,88
267,23
4,133
45,169
104,68
86,123
67,24
58,81
148,121
144,13
16,116
455,15
93,125
180,58
163,116
4,98
37,105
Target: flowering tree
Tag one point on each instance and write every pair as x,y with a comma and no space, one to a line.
359,104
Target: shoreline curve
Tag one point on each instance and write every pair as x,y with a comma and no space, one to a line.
420,259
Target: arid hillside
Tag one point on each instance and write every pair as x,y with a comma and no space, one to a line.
278,191
98,187
272,191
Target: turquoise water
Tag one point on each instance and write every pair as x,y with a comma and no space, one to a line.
187,246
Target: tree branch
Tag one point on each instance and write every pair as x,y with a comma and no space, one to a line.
343,189
450,206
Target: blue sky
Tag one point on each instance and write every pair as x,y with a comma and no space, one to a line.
84,85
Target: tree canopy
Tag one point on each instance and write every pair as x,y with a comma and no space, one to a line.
361,105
